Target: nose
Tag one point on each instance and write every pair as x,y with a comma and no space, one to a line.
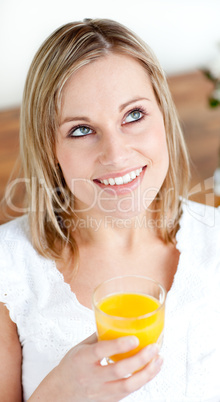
114,149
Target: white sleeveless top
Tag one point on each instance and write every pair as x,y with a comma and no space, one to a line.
50,320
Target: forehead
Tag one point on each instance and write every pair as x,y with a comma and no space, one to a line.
113,76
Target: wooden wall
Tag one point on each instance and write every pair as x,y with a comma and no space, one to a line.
201,126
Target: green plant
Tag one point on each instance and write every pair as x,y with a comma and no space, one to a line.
213,74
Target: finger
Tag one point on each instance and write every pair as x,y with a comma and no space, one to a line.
90,340
103,349
143,376
126,386
131,364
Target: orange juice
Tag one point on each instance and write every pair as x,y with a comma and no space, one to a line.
124,314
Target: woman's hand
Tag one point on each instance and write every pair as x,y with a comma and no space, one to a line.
80,376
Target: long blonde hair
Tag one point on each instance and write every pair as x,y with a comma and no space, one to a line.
64,52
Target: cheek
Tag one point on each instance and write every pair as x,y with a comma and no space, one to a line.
157,151
76,171
161,157
156,145
77,181
69,160
67,164
162,149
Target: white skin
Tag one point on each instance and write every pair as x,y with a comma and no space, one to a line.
111,124
113,102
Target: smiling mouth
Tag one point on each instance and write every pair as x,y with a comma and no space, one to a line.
120,180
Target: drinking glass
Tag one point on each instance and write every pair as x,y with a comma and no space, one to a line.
130,305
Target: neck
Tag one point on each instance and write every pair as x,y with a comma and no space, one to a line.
113,231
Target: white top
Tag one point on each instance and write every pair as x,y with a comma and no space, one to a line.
217,182
50,320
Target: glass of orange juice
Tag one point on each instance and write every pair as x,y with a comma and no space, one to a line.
130,305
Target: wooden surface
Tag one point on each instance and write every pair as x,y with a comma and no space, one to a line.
201,126
9,144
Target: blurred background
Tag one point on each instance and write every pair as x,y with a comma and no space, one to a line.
185,35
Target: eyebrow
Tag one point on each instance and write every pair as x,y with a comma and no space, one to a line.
124,105
69,119
86,119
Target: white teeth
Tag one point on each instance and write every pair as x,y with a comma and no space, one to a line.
126,178
118,180
112,182
122,179
133,175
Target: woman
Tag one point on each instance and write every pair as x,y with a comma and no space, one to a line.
102,148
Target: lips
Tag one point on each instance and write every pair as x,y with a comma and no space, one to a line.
120,180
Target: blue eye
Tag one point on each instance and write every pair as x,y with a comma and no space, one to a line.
133,116
80,131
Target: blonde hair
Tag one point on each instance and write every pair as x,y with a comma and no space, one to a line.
65,51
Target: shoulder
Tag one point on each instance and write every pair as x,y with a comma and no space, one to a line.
199,236
18,257
17,254
201,215
15,236
23,271
15,246
14,242
199,221
16,229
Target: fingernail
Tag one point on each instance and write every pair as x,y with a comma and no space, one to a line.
153,349
158,362
134,341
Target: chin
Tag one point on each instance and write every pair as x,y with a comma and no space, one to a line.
126,211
